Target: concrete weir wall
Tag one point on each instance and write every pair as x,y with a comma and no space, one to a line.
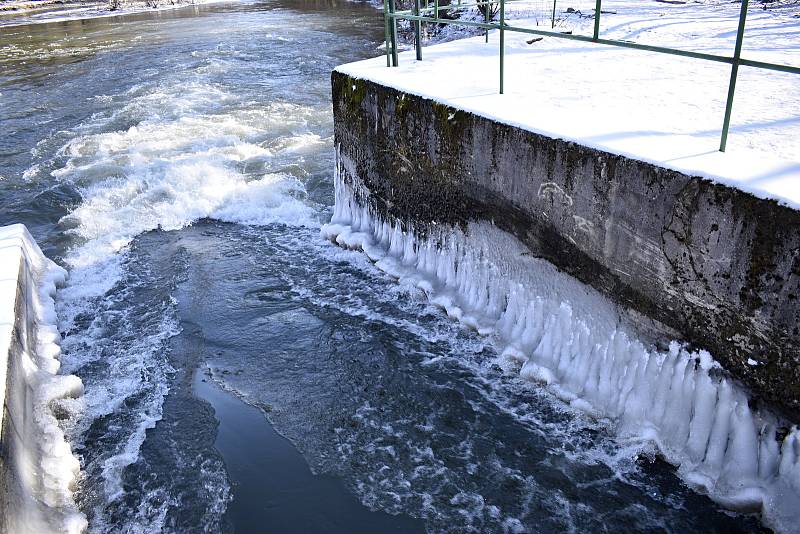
37,467
688,258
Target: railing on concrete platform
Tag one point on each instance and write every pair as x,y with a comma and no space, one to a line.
420,14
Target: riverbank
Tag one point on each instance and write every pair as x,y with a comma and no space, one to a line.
13,13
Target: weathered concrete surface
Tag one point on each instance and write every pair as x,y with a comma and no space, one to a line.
718,267
17,324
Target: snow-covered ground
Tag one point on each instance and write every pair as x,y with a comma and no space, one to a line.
43,12
652,107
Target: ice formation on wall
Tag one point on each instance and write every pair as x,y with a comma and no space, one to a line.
37,468
558,331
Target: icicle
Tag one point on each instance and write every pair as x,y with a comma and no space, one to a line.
676,418
788,454
591,386
484,278
718,439
628,381
741,456
604,387
768,453
704,404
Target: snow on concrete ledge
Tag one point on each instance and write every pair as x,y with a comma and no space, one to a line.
37,467
651,107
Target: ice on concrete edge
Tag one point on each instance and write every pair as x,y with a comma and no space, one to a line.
40,469
554,330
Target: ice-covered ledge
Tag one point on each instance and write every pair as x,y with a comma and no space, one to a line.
716,265
37,467
603,162
549,328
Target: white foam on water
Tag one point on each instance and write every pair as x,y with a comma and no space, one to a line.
183,160
554,330
167,176
133,367
41,467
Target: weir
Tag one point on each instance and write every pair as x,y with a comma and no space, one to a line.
686,330
37,468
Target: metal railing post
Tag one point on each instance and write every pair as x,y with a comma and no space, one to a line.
597,20
502,41
386,32
436,9
427,14
418,31
487,7
737,54
393,32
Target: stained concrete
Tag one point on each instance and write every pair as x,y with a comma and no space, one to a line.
17,318
714,266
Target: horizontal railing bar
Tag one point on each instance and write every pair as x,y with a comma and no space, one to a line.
407,15
410,13
623,44
770,66
421,18
447,7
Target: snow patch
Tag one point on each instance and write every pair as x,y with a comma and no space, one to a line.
43,14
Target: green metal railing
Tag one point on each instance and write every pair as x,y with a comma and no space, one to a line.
430,14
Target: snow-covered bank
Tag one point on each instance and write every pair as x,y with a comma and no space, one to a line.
38,467
41,13
651,107
558,331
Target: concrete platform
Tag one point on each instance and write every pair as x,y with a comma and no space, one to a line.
691,258
647,106
605,161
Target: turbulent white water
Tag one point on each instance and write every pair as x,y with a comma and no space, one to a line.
181,161
185,157
557,331
193,151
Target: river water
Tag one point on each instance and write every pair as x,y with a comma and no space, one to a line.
241,373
